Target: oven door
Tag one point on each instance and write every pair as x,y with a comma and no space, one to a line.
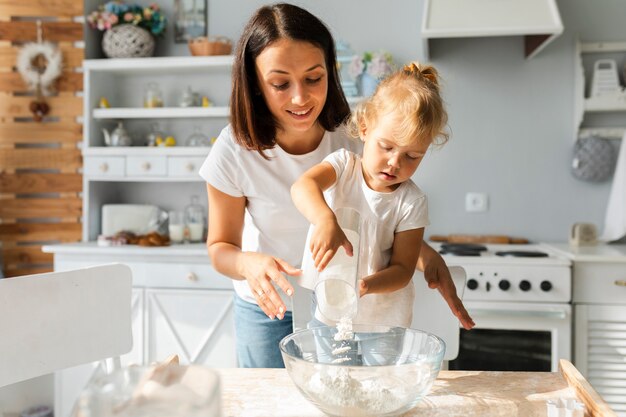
515,337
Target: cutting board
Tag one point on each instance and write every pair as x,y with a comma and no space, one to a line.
461,238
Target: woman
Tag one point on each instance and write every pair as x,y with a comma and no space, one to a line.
286,105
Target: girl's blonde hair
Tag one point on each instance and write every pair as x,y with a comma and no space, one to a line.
412,95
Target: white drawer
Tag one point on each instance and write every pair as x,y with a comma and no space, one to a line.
184,166
107,166
146,166
177,275
597,282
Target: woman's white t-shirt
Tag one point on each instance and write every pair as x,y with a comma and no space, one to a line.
382,215
272,224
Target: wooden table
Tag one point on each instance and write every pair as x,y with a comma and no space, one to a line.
271,393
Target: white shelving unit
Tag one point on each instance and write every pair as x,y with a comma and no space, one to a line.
614,103
164,176
160,112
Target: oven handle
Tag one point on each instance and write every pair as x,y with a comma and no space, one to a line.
482,312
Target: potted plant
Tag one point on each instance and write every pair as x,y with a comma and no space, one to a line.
369,69
129,29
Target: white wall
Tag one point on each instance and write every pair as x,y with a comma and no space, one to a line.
512,120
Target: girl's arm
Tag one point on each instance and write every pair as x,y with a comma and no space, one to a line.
404,254
307,195
438,276
226,219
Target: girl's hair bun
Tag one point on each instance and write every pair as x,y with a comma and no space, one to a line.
426,71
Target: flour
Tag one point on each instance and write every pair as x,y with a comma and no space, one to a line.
344,394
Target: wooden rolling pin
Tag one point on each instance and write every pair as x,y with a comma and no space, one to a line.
478,239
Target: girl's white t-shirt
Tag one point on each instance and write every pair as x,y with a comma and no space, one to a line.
382,215
272,224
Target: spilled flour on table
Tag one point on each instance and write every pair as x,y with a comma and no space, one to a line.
336,388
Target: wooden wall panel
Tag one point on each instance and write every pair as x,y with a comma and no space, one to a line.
40,208
63,106
40,183
52,31
70,81
40,133
72,57
40,162
62,159
61,8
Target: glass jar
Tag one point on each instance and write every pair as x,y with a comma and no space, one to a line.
152,96
197,138
176,226
155,136
194,219
188,98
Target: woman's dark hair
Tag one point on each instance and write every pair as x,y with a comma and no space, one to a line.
253,125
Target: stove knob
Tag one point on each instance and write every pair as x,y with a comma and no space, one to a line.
472,284
504,284
546,286
524,285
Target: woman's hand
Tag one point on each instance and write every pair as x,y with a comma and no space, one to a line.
438,276
326,239
260,271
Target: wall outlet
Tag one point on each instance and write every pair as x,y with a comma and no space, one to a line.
476,202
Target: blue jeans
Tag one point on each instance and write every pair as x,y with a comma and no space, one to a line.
257,336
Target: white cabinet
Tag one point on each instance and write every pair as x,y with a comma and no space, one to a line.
196,324
180,305
598,115
162,176
600,328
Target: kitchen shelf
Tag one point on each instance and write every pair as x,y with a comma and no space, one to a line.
604,104
160,65
160,112
146,150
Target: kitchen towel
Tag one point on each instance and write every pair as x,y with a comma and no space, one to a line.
615,220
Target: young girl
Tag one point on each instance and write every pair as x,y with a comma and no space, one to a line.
397,125
286,105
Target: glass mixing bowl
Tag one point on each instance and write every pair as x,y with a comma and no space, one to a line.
381,371
148,391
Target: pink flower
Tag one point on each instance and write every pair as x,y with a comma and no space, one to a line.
128,17
356,67
154,6
113,19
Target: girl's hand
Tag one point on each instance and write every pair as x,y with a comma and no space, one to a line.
327,238
362,287
260,271
438,276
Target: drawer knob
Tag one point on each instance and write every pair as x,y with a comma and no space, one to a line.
104,167
146,166
191,167
192,277
620,282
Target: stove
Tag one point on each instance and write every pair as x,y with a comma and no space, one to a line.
529,273
519,296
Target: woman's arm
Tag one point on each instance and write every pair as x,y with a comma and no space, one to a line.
438,276
401,266
307,195
226,220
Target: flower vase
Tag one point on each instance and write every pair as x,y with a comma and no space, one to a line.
368,84
127,41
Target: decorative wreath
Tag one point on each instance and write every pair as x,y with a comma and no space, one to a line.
37,75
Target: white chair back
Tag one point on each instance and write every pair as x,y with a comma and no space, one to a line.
57,320
430,311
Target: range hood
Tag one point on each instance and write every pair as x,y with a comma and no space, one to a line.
537,20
